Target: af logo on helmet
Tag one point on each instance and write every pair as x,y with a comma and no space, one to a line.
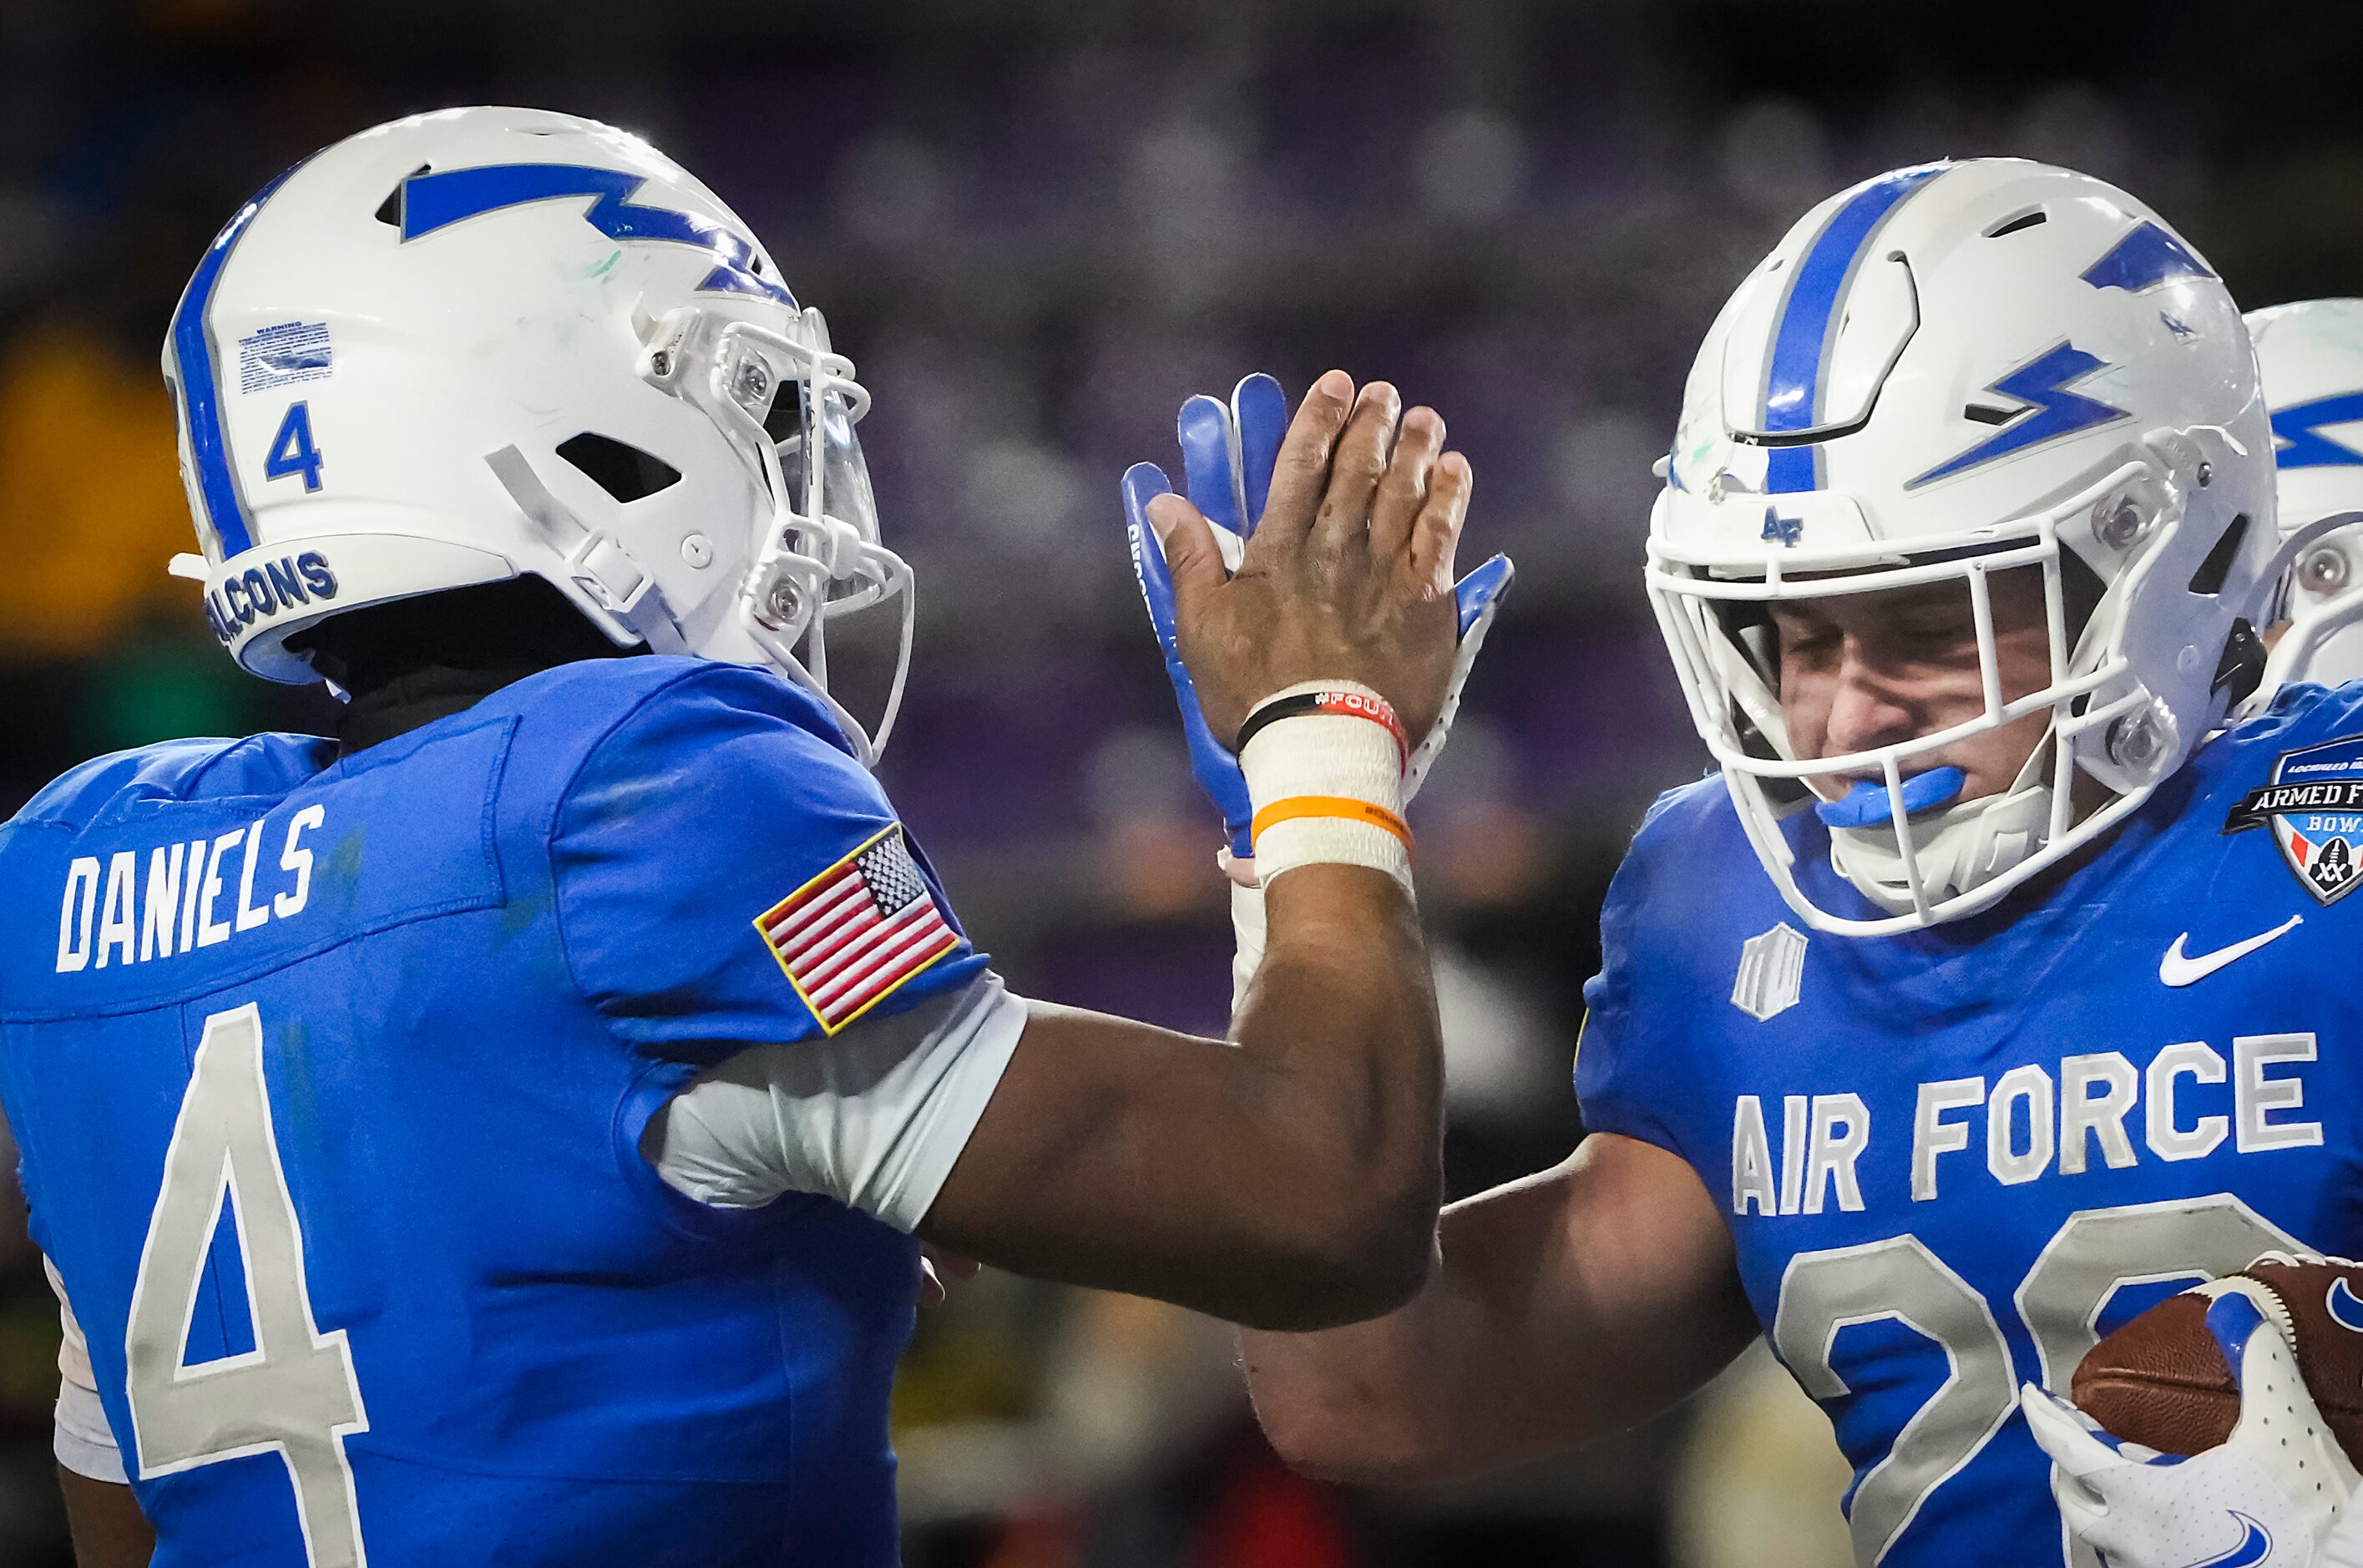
2314,807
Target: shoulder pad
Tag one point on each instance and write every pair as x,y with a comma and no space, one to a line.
177,770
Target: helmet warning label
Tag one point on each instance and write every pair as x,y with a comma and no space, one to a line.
283,355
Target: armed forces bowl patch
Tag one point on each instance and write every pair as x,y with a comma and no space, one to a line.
852,935
2314,807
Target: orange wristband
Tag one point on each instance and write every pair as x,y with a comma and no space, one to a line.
1346,806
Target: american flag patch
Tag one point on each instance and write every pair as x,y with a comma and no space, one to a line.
851,935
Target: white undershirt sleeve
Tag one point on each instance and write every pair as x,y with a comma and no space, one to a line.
84,1442
874,1117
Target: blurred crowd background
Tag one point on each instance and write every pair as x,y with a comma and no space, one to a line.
1037,226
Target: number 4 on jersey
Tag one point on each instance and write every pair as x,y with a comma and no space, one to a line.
292,450
295,1393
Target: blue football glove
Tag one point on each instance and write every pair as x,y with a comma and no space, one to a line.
1227,457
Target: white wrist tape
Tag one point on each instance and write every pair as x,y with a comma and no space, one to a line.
1326,787
1247,935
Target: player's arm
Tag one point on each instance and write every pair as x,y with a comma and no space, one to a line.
109,1530
1291,1178
1567,1306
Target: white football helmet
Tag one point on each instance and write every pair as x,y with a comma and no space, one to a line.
475,344
2311,357
1944,372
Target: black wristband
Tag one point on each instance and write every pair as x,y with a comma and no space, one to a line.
1329,699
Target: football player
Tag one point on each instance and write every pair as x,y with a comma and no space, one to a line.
1989,993
500,1134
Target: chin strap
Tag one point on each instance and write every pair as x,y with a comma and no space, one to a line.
1958,849
601,568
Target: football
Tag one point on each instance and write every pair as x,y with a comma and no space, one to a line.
2160,1379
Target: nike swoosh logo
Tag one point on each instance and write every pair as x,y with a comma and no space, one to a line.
2255,1544
2345,1310
2174,969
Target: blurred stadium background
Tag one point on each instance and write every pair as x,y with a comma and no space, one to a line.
1037,224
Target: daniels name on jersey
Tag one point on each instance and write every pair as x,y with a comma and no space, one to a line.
1952,1158
329,1074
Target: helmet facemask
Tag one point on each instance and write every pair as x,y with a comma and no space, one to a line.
788,406
1897,830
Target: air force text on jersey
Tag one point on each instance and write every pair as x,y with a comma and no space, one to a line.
2097,1111
115,914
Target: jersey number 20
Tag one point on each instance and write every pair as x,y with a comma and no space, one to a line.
295,1393
2096,1253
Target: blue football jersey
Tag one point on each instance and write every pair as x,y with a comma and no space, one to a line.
1952,1159
329,1077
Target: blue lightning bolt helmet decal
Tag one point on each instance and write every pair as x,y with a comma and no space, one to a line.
2298,439
437,200
2144,258
2051,411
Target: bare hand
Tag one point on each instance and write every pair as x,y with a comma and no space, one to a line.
1348,574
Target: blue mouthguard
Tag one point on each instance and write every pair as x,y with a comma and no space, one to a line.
1864,805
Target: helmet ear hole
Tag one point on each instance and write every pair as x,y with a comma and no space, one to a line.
622,470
